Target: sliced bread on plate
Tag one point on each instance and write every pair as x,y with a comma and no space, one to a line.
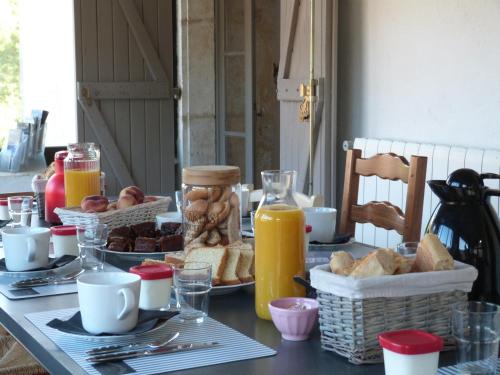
216,256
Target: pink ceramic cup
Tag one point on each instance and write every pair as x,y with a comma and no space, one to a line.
294,324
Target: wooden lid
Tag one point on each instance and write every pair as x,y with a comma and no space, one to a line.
206,175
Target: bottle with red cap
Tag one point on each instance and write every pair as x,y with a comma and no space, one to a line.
54,191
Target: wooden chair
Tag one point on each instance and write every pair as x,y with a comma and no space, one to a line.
384,214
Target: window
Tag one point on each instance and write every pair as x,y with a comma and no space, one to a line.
37,66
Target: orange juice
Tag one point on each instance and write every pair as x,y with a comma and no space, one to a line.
80,183
279,254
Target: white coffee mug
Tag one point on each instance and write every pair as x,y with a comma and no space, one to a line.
322,220
109,301
26,248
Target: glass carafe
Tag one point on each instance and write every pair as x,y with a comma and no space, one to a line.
81,173
279,242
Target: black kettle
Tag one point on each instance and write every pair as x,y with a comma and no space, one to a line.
467,225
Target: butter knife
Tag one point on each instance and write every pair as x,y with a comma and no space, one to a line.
147,353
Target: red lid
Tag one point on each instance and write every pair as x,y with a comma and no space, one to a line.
309,228
152,271
64,230
60,155
410,341
3,202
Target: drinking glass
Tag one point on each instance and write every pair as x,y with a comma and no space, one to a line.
20,210
91,240
476,328
178,201
407,248
192,282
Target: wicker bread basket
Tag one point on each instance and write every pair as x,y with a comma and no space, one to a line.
115,218
350,325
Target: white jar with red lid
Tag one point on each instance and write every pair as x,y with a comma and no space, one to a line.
4,210
156,286
410,352
64,240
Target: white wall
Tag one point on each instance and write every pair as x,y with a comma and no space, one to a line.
48,65
420,70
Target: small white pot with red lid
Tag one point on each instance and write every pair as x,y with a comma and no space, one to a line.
156,286
4,210
64,240
410,352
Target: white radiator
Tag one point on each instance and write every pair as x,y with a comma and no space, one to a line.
441,161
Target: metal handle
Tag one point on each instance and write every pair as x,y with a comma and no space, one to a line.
492,192
490,176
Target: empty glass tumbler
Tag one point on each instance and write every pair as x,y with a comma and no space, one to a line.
91,241
476,328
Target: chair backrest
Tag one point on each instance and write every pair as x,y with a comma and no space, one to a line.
384,214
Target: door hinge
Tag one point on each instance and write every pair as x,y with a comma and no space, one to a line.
177,93
308,93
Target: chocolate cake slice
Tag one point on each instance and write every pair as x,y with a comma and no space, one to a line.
145,245
146,229
171,243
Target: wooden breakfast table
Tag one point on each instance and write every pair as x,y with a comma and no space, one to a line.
235,310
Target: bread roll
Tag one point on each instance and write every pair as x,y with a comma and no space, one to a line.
341,262
432,255
403,264
377,263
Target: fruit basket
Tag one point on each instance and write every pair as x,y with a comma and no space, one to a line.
115,218
353,312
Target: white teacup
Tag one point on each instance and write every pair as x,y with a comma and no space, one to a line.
109,301
26,248
322,220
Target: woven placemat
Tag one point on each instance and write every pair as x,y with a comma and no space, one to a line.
14,359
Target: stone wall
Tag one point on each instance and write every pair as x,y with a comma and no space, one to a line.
196,78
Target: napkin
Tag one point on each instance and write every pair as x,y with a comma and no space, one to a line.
389,286
53,263
147,321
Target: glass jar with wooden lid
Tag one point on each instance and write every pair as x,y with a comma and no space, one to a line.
211,196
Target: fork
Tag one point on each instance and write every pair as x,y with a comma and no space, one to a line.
131,347
51,280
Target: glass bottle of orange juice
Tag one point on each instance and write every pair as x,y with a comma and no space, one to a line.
279,242
82,173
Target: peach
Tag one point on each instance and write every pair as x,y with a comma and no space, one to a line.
94,203
112,206
133,191
125,201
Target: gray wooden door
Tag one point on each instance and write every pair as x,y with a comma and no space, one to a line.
124,70
294,70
